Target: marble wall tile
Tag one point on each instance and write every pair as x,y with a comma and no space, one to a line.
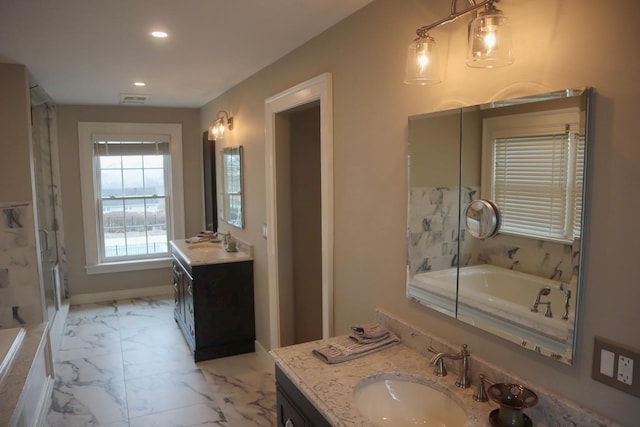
19,279
433,240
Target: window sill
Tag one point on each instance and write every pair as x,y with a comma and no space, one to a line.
123,266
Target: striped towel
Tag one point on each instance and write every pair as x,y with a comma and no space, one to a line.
347,347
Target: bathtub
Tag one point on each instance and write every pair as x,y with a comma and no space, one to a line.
10,341
500,300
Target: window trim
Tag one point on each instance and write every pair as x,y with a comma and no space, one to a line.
86,133
527,124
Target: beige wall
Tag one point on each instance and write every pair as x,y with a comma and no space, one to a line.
15,124
68,118
558,44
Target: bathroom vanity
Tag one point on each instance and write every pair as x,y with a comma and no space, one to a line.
213,294
313,393
294,409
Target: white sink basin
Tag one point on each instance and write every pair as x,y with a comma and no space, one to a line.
403,401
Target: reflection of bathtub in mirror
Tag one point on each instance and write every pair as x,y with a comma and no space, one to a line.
500,300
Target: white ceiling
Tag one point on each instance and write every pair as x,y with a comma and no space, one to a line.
91,51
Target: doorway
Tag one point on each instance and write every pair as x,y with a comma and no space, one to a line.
299,172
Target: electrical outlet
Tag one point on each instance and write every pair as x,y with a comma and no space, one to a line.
625,370
613,365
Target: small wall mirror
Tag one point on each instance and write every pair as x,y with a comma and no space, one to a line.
495,225
481,219
230,188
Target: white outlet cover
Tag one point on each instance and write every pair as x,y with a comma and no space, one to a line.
625,370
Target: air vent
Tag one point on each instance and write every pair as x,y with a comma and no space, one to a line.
131,99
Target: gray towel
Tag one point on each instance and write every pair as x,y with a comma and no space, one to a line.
346,348
370,331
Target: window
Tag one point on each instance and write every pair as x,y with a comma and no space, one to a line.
131,191
536,174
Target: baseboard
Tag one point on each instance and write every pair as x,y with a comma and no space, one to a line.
120,295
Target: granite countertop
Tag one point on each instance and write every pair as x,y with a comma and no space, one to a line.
330,387
209,252
13,382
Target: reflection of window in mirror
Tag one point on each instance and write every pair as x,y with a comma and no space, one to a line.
231,188
532,169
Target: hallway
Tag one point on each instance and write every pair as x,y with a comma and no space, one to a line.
125,363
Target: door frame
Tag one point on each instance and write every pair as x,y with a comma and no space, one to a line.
313,90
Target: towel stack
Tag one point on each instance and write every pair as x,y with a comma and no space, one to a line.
203,236
364,339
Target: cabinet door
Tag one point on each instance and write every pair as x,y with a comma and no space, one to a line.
177,289
227,290
188,305
288,415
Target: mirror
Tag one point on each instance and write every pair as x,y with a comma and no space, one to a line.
230,189
481,218
209,180
496,194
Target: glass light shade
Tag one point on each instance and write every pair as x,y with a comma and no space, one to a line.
218,130
490,40
423,62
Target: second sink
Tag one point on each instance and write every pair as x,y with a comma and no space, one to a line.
396,400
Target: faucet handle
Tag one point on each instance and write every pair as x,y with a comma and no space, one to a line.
438,363
481,393
439,369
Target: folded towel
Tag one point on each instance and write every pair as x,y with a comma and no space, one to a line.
347,348
370,331
197,239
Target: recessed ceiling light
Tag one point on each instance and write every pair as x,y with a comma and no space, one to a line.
159,34
140,84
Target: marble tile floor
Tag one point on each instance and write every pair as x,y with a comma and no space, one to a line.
126,363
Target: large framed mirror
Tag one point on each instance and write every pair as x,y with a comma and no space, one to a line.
516,168
230,191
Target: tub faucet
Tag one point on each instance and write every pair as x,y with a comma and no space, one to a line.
567,297
463,378
544,291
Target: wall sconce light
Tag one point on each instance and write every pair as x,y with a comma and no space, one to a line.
216,130
489,43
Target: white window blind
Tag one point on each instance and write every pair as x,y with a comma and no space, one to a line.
533,184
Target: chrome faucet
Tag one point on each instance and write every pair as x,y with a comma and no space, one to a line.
544,291
463,378
226,237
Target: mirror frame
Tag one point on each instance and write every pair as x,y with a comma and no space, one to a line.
451,299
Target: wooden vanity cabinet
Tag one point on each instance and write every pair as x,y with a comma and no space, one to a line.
214,307
294,409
